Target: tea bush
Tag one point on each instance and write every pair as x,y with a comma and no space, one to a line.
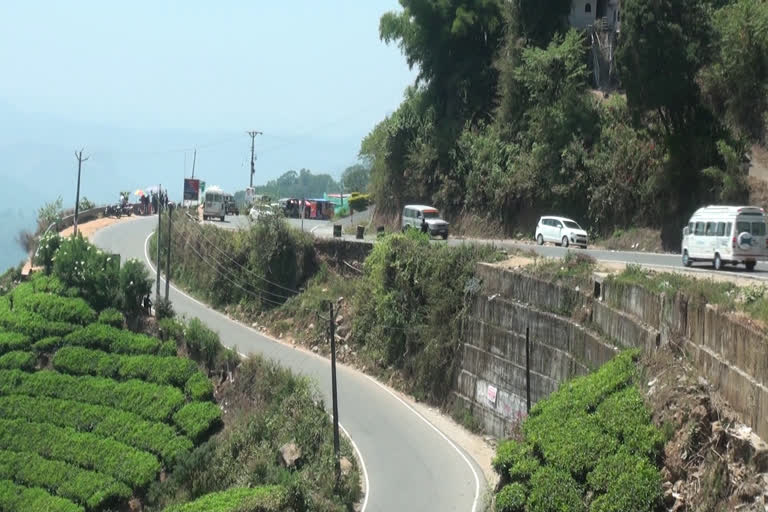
199,387
128,465
511,498
33,325
174,371
24,499
58,309
150,401
13,341
111,339
18,360
125,427
49,344
261,499
112,317
88,488
197,419
589,443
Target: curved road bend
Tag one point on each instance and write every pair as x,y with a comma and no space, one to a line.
410,465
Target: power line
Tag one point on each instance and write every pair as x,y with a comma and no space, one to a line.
216,247
215,268
229,273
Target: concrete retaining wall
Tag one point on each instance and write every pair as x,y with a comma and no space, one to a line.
725,348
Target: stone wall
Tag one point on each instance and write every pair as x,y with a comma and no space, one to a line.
726,349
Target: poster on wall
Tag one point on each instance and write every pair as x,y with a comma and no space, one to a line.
191,189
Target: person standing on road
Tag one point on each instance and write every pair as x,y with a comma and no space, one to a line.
424,225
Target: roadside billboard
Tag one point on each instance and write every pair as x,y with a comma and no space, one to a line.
191,189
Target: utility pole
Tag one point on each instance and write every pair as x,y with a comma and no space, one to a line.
303,202
253,135
168,256
332,332
80,161
159,226
194,159
528,370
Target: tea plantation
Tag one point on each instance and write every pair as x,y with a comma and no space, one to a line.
589,446
90,414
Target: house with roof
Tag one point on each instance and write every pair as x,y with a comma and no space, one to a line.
588,13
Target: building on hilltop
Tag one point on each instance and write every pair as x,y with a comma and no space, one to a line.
587,13
601,19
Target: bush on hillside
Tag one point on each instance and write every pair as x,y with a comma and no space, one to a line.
82,266
202,342
58,309
410,307
261,499
13,341
602,411
33,325
134,286
511,498
125,427
17,497
47,345
110,339
46,251
112,317
197,419
18,360
199,387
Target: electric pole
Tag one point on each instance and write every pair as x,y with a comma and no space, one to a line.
168,256
194,159
253,135
159,226
80,161
332,332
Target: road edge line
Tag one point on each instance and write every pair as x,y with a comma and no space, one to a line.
382,386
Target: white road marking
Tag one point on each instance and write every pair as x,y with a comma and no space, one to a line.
414,411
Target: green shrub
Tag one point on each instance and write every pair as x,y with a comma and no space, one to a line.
46,250
47,345
508,453
24,499
626,416
13,341
134,286
199,387
125,427
625,482
82,266
33,325
88,488
258,499
110,339
17,360
359,202
164,309
198,419
58,309
150,401
511,498
128,465
112,317
554,490
174,370
171,329
202,342
523,469
168,349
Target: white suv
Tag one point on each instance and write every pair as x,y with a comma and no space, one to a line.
560,231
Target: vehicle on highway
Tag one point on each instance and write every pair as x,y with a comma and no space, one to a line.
230,207
414,215
214,204
723,235
261,210
560,231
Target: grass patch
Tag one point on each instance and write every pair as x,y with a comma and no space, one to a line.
752,300
575,269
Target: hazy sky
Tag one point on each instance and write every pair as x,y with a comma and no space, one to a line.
140,83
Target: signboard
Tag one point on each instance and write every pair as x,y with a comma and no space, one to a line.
191,189
492,395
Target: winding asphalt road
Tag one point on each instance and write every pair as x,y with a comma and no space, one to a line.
408,463
324,229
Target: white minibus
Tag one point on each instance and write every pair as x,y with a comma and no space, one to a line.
724,235
214,205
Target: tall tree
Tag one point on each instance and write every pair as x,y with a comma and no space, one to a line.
453,43
356,178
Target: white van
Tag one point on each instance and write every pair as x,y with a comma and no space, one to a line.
414,214
214,205
726,234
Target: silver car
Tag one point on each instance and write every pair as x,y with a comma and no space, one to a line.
415,215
